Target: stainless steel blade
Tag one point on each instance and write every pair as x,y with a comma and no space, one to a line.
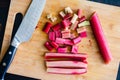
29,22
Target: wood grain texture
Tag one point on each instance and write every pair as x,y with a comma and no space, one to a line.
29,59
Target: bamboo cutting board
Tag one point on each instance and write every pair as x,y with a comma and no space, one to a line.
29,59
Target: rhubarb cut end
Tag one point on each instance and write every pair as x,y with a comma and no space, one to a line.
93,14
107,61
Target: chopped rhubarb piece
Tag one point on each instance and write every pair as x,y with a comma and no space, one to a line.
74,18
68,42
73,36
54,44
67,16
66,23
66,31
66,71
66,34
79,56
47,27
49,16
84,23
53,19
48,46
52,36
79,12
81,29
62,14
74,26
102,43
74,49
58,34
57,27
68,10
64,41
60,40
62,50
83,34
83,18
77,40
66,64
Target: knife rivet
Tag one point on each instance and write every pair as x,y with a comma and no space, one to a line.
4,64
10,52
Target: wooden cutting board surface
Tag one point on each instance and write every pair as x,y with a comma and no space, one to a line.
29,59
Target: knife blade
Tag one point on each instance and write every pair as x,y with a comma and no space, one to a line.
23,33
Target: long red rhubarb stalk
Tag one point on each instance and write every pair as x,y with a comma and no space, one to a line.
66,71
79,56
66,64
102,43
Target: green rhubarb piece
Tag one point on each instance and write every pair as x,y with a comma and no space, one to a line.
84,23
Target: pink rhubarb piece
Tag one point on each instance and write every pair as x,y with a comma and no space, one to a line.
74,49
47,27
74,26
68,42
62,50
57,27
58,34
77,40
52,36
68,64
66,34
79,12
83,18
66,23
78,56
48,46
67,16
82,32
66,71
60,40
54,44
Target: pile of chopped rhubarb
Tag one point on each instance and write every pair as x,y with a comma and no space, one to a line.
64,38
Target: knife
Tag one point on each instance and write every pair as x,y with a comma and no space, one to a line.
23,33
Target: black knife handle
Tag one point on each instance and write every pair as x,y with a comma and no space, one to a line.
6,61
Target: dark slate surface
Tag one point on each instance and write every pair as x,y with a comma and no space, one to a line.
4,6
110,2
118,75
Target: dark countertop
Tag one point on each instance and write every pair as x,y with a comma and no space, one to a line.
110,2
4,6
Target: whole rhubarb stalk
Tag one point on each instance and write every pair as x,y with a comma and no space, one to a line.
102,43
